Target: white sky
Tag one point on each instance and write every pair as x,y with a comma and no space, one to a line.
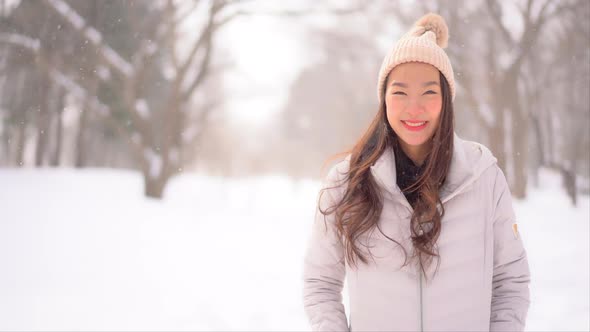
267,55
269,51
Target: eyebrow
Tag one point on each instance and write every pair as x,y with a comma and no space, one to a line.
404,85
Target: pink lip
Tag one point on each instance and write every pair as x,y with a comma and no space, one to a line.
415,128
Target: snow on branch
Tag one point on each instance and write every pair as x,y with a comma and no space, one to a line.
75,20
34,45
20,40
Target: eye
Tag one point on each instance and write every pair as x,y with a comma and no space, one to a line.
401,93
429,92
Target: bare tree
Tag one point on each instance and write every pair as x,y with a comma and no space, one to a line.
159,130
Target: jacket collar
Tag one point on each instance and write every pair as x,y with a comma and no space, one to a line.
468,161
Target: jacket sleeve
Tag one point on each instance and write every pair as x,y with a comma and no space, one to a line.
511,278
324,271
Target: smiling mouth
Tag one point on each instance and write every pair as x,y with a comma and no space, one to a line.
414,126
414,123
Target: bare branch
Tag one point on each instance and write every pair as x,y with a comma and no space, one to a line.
182,16
560,9
203,71
110,56
171,33
524,12
152,44
291,13
496,14
533,28
205,37
541,15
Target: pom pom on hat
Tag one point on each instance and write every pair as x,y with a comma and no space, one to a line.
436,24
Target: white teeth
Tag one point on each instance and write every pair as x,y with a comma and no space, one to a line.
415,124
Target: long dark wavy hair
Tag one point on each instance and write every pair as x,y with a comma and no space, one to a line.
359,210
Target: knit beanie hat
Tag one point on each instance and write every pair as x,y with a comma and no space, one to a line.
423,43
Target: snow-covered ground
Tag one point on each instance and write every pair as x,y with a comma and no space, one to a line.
83,250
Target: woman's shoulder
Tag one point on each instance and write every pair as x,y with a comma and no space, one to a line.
338,173
334,184
473,150
483,163
474,156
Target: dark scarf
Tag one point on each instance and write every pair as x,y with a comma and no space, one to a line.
407,173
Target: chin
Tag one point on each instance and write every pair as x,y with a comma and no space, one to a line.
414,141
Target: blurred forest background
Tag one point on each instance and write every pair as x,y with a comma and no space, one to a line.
147,85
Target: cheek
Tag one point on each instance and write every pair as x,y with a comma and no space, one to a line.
394,106
433,107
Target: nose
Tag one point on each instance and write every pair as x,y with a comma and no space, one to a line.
414,107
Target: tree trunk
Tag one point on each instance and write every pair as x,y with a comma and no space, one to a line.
43,116
539,160
154,187
569,183
81,137
55,158
155,177
80,160
496,131
519,135
21,138
497,135
520,154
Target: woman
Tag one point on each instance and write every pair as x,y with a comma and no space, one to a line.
419,221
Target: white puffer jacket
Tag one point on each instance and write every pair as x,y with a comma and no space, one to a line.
483,279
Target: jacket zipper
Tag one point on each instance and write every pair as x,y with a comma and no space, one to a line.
409,206
421,307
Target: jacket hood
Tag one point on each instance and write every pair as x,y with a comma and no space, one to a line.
469,161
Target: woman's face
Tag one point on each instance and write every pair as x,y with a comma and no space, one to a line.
413,100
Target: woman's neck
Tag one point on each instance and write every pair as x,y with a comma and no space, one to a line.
416,153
